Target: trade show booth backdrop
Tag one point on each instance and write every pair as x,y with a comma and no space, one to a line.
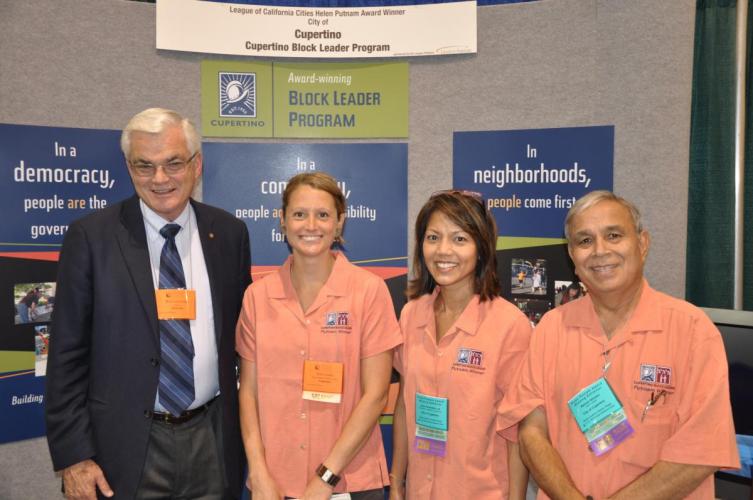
540,65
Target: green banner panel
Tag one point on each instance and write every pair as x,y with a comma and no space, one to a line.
345,100
13,361
304,100
236,99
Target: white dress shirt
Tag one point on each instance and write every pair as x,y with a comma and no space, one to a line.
205,370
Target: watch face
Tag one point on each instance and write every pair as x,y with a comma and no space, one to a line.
327,475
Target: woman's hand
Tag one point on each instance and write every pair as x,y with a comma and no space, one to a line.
397,491
317,490
264,487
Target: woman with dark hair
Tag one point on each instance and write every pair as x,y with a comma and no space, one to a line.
572,292
462,346
315,340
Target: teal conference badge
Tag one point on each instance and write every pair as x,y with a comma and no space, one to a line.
600,416
431,425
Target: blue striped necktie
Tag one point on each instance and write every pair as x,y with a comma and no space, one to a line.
176,387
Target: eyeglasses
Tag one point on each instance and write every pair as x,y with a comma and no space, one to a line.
173,167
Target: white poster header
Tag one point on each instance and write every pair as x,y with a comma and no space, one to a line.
353,32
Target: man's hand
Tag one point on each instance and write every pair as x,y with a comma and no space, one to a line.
81,481
542,460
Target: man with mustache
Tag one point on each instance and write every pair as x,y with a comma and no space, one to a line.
624,393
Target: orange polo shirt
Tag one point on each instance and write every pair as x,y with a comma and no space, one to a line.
667,345
494,336
351,319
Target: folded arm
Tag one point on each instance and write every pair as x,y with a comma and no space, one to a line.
542,460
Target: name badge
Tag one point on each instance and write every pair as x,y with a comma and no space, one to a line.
600,416
175,303
431,425
322,381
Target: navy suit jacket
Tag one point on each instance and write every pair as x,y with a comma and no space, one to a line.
103,365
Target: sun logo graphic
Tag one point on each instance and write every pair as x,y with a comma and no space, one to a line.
237,94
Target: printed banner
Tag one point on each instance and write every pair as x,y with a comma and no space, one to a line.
335,100
529,179
51,176
335,32
248,180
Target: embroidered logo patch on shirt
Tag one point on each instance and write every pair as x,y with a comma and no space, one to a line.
654,376
648,373
655,373
469,360
470,356
337,322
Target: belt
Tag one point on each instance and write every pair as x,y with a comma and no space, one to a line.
169,418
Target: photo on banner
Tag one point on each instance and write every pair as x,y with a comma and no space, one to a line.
529,179
52,176
304,100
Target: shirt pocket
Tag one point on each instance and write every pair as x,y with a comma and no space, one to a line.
642,450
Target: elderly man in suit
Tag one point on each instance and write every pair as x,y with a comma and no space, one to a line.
141,376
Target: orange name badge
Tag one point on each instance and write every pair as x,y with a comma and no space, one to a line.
176,303
322,381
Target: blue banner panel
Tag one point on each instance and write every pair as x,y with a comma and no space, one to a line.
22,406
51,176
530,178
247,180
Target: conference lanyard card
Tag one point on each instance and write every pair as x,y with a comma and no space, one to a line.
431,425
176,303
600,416
322,381
431,411
430,446
429,433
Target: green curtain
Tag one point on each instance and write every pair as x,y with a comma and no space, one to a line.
748,194
710,246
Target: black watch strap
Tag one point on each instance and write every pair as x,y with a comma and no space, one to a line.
327,475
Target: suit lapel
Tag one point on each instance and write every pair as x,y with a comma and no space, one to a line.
133,246
212,258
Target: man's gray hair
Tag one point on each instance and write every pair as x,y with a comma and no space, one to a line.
588,200
155,121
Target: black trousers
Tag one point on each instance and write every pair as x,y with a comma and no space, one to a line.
184,461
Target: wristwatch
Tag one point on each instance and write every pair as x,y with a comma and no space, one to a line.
327,475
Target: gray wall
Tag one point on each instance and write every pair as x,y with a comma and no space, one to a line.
550,63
